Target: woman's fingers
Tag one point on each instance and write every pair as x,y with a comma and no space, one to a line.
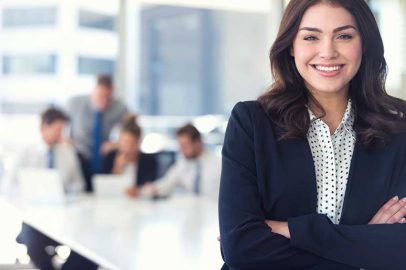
394,209
383,209
399,215
392,212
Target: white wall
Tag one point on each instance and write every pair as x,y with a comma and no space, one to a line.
391,20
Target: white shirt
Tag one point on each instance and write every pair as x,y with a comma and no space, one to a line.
65,162
332,157
183,174
130,170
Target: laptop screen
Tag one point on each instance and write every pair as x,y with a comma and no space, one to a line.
41,185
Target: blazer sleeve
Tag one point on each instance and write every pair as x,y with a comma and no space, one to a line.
380,246
246,240
152,174
147,169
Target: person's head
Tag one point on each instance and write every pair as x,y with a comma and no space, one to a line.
360,45
327,50
190,141
52,125
329,47
103,92
130,136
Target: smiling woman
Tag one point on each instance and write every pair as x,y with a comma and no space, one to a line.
313,170
328,57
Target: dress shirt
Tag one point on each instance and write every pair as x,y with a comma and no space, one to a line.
81,113
65,162
332,156
183,174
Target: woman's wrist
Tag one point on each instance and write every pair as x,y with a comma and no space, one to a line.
279,227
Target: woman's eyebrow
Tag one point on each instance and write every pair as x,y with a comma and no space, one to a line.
338,29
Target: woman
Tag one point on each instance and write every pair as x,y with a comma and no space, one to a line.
314,171
128,159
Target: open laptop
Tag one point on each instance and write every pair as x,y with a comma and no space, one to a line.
43,186
110,185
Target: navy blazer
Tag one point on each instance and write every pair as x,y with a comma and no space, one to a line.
147,167
266,178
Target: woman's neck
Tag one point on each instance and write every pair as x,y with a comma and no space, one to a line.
334,108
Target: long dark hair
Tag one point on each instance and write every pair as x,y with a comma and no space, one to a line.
377,114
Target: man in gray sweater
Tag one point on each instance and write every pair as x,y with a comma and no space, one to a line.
92,119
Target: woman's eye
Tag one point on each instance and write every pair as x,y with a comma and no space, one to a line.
310,38
345,37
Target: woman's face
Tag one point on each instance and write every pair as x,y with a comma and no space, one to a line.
327,50
128,144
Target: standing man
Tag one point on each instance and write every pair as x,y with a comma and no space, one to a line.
92,119
198,172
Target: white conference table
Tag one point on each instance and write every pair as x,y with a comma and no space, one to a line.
122,233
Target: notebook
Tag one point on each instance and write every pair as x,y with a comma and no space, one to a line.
41,186
110,185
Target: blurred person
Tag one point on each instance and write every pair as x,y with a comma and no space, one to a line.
53,152
93,118
198,172
128,158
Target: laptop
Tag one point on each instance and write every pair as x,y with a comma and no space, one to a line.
43,186
111,185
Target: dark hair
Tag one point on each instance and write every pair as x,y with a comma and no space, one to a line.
130,125
377,114
51,115
105,80
190,131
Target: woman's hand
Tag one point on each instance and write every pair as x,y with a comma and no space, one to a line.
391,212
279,227
132,192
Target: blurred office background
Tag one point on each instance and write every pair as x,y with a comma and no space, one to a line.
173,61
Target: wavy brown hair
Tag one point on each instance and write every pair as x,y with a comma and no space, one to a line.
377,114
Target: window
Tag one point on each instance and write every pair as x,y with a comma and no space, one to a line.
97,20
95,66
29,64
187,55
43,16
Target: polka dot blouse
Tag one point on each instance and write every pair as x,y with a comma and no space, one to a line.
332,157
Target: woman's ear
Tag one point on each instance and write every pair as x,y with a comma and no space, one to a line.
291,51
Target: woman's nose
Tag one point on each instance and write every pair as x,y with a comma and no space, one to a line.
328,50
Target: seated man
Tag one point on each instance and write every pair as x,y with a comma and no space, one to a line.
198,172
52,152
